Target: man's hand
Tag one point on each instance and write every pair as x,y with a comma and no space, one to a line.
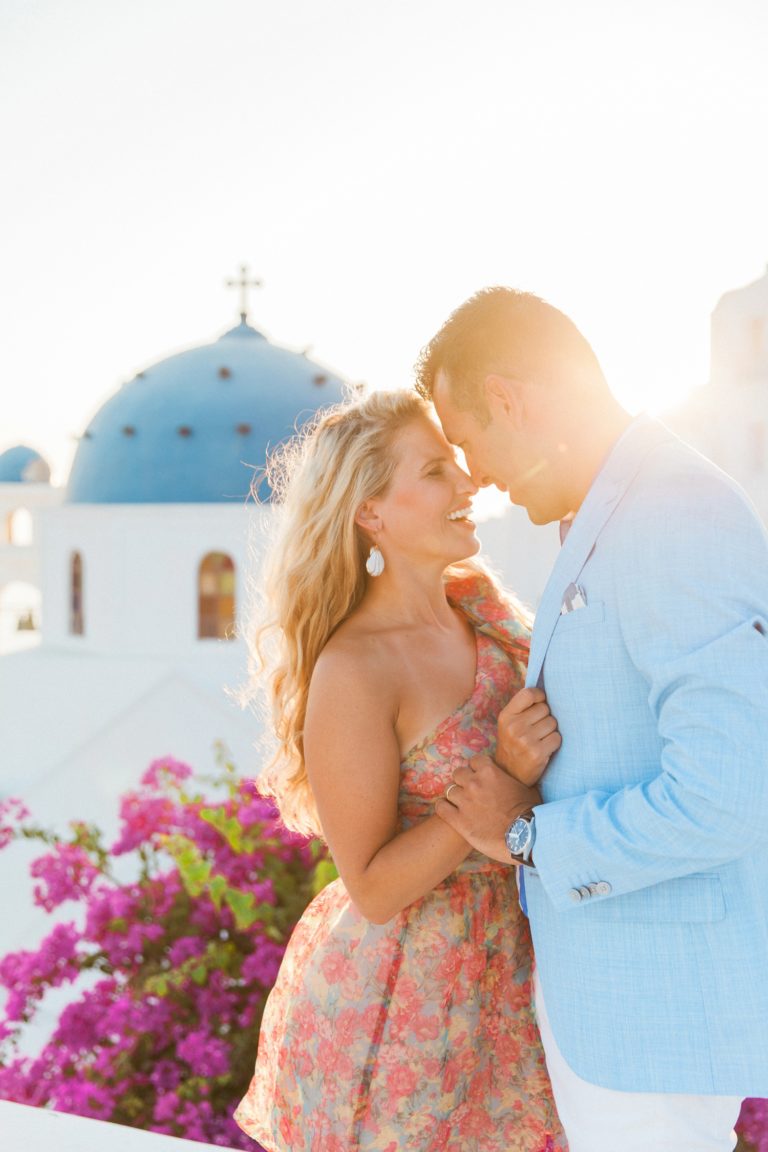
527,737
483,802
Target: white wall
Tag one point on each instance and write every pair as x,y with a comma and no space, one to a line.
140,571
739,335
23,561
727,419
24,1129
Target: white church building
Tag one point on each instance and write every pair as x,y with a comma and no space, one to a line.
727,418
142,565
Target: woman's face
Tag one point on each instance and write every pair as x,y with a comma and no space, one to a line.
426,511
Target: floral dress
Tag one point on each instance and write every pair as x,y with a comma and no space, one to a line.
419,1033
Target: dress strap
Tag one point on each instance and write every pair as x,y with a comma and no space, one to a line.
493,614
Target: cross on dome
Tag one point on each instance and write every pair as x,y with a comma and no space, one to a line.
243,283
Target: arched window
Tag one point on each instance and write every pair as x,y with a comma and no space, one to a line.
216,597
19,528
76,619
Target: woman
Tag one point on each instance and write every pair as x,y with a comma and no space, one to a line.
401,1016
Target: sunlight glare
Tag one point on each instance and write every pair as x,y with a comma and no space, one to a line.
651,364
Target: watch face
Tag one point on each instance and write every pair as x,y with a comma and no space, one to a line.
517,836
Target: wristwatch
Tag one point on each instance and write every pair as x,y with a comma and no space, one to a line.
520,838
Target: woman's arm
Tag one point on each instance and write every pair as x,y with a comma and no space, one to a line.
353,763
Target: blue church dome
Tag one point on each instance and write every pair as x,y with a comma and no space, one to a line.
197,427
22,465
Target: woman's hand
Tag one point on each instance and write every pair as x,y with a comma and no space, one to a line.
527,736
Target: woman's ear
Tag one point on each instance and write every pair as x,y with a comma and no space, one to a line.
368,518
504,396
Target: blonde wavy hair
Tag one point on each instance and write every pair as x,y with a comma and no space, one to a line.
314,575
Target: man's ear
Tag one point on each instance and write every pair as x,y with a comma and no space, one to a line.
504,397
368,518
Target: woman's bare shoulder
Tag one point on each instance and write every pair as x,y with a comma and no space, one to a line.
357,659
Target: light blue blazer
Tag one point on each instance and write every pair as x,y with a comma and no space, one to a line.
649,899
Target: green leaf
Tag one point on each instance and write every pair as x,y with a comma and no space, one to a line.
325,872
228,826
243,908
194,869
218,889
157,985
199,974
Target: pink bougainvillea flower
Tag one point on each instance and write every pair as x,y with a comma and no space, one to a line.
12,813
165,770
65,873
162,1034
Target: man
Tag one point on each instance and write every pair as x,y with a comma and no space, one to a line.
644,856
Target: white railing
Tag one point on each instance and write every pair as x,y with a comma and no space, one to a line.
24,1129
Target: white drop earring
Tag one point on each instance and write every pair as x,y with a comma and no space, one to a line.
374,565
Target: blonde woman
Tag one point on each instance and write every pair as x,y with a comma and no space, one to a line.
401,1017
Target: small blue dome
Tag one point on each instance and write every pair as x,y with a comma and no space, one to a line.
22,465
196,428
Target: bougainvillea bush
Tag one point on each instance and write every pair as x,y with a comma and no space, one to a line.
170,969
753,1125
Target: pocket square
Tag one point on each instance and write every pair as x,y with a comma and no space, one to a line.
574,598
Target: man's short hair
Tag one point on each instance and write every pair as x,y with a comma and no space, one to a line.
509,332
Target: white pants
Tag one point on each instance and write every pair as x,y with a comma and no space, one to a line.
601,1120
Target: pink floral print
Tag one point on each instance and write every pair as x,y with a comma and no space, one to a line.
419,1033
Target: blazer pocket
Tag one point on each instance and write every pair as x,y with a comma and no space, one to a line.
580,618
686,899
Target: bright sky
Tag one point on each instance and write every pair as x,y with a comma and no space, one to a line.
375,162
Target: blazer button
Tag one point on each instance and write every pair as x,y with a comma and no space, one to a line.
585,893
603,888
575,895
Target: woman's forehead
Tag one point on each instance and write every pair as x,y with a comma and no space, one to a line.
422,438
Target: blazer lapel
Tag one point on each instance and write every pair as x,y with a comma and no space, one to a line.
608,488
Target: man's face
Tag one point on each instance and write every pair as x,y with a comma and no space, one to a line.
505,451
